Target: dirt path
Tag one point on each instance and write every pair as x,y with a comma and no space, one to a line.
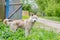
50,23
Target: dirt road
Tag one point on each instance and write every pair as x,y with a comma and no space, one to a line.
50,23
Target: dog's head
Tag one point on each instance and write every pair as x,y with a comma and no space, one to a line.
33,18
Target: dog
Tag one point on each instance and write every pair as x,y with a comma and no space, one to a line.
25,24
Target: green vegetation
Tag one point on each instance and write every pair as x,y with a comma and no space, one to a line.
53,18
45,7
25,17
36,34
49,7
26,7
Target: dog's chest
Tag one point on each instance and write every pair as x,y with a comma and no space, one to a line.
27,23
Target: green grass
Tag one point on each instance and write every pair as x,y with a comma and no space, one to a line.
53,18
36,34
25,17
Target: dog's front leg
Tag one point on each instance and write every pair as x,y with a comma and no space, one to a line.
26,32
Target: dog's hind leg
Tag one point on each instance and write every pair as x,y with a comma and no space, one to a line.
13,27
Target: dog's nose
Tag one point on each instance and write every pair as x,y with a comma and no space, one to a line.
34,20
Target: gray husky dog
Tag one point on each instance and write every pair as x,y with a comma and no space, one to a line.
25,24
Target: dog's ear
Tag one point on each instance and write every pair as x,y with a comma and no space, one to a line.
31,14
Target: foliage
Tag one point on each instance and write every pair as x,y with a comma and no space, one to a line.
7,34
49,7
27,7
25,17
36,34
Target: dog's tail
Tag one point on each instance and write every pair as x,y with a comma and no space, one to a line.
5,21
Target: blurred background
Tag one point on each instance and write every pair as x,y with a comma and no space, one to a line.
49,9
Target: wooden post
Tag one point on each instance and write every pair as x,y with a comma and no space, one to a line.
2,9
3,3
